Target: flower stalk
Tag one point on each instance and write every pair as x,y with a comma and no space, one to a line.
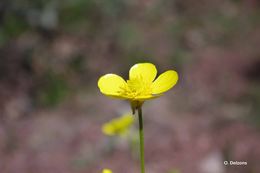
141,137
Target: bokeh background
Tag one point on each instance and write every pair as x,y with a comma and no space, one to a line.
52,53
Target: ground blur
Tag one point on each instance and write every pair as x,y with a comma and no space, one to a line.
51,111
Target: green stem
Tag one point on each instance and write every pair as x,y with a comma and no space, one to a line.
141,136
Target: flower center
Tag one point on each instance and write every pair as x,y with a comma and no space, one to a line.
136,87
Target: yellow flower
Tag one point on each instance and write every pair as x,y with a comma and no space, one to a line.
140,86
118,126
107,171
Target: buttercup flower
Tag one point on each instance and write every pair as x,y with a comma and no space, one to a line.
107,171
118,126
140,86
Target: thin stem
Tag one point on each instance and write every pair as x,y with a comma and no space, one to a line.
141,136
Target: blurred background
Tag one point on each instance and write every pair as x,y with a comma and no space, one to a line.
52,53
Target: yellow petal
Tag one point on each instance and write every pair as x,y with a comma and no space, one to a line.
108,129
118,126
111,85
106,171
145,70
164,82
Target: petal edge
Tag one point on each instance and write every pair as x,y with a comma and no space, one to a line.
147,70
164,82
111,84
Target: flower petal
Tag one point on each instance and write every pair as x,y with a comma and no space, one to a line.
111,85
146,70
118,126
108,129
164,82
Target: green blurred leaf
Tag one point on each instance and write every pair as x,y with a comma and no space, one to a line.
13,26
128,36
174,171
53,90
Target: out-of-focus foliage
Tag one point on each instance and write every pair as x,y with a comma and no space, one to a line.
174,171
52,89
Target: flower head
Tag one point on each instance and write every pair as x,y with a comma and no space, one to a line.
107,171
140,86
118,126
